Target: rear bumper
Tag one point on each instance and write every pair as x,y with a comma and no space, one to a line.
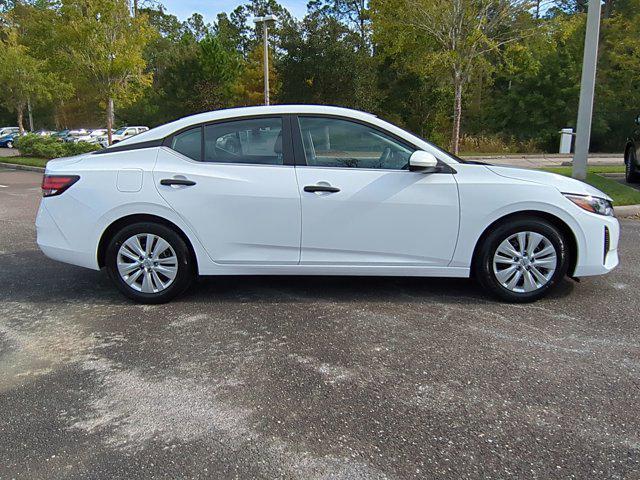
55,245
599,254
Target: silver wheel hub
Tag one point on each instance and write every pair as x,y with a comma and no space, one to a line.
525,262
147,263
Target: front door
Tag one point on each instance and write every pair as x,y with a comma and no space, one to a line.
234,183
360,203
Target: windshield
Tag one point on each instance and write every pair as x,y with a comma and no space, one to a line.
120,131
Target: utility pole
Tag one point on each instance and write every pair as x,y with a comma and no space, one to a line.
265,38
587,89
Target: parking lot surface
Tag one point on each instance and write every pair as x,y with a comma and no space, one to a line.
270,377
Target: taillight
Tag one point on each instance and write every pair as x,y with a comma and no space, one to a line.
56,184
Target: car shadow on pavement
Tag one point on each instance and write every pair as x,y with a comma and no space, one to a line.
34,278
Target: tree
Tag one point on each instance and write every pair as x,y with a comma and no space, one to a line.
535,90
353,13
105,45
321,63
24,78
456,35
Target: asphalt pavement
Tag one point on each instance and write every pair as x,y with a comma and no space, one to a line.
305,378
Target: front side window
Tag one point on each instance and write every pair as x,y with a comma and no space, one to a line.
332,142
256,141
189,143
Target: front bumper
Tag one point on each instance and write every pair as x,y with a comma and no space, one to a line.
599,254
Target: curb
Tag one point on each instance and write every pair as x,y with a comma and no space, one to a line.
627,211
15,166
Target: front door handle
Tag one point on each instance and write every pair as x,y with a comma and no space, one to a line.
177,181
321,188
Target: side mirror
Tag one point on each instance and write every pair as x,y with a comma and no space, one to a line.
422,161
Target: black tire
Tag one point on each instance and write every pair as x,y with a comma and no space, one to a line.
630,163
483,263
185,264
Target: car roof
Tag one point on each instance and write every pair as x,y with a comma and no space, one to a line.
167,129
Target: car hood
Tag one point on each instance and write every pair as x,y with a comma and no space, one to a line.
562,183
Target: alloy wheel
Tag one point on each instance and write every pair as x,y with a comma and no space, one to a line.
525,262
147,263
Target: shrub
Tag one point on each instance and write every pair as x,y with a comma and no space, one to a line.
50,147
485,144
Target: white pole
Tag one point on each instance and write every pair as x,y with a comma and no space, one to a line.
587,88
265,33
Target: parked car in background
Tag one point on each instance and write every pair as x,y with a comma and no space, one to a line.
631,155
315,190
121,134
44,133
91,136
7,130
60,135
74,134
8,140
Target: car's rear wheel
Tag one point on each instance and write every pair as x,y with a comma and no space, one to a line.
9,144
631,176
521,260
149,262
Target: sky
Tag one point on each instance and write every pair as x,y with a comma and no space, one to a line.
210,8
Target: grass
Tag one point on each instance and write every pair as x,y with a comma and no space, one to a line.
621,194
30,161
566,171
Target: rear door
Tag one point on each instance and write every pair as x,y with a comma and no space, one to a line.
234,183
361,205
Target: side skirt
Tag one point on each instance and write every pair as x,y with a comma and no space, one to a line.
390,271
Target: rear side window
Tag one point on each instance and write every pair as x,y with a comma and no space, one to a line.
255,141
189,143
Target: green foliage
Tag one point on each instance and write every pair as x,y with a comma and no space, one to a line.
492,144
50,147
104,44
25,78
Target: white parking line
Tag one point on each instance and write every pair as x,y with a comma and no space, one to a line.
4,186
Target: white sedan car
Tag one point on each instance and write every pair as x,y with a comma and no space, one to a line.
314,190
91,137
121,134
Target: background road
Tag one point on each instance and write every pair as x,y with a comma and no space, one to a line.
310,377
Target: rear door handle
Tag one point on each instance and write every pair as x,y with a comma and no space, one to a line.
177,181
321,188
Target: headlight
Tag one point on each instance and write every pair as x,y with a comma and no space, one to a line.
592,204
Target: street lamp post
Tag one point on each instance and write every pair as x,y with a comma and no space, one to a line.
265,38
587,88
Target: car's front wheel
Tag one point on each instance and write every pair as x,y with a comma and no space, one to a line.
149,262
9,144
521,260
